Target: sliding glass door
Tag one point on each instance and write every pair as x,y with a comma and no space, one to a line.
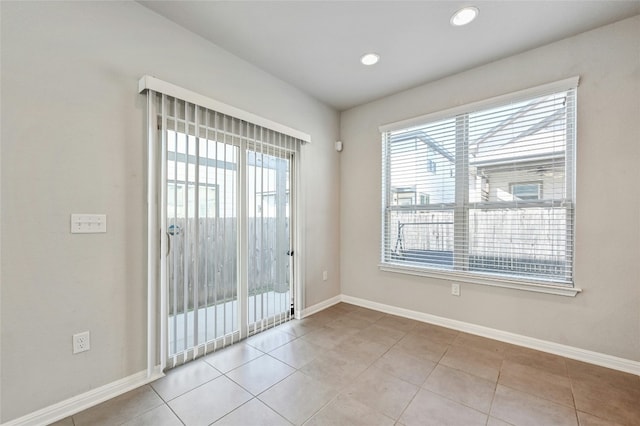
226,192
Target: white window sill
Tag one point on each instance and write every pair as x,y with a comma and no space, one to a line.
537,287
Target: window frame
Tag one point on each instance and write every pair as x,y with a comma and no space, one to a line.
460,206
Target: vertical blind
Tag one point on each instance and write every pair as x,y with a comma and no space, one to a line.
226,199
485,191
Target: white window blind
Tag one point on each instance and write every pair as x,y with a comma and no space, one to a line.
486,190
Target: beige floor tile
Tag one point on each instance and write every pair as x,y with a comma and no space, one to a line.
333,371
427,408
422,347
359,350
550,363
349,321
232,357
120,409
585,419
298,328
385,335
209,402
327,338
343,411
297,353
267,341
341,308
497,422
298,397
160,416
253,413
184,378
436,333
608,402
64,422
328,315
481,363
461,387
260,374
367,314
479,342
350,308
405,366
581,371
397,323
383,392
537,382
523,409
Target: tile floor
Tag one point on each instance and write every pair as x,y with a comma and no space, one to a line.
348,365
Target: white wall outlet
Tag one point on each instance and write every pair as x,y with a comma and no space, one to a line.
325,275
455,289
81,342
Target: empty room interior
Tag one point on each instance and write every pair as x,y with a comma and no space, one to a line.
320,212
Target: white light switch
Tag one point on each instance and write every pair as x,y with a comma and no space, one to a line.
88,223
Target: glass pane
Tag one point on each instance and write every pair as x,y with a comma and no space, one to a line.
523,144
422,237
422,164
202,228
526,191
268,208
529,242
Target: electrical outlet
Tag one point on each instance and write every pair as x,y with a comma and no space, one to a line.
325,275
81,342
455,289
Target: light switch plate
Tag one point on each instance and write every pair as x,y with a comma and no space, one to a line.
88,223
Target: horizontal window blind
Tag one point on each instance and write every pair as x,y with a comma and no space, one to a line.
487,191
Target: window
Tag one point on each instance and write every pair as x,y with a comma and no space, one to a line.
526,190
500,177
431,166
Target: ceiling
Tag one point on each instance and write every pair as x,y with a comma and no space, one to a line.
316,45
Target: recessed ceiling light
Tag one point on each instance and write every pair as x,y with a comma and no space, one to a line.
370,59
464,16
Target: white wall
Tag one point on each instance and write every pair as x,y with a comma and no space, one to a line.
73,140
606,316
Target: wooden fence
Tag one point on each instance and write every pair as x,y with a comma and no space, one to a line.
204,251
532,240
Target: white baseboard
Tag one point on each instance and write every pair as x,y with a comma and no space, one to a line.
78,403
603,360
320,306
